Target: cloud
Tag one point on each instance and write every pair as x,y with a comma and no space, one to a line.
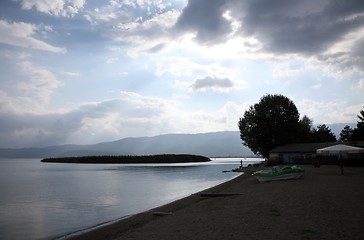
72,74
205,46
147,37
183,66
208,82
328,112
344,58
31,93
108,15
21,34
111,60
216,77
130,114
285,70
290,27
144,25
55,7
231,112
40,85
121,23
177,66
205,19
322,33
314,30
27,129
361,84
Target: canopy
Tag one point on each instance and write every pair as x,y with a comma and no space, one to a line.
339,148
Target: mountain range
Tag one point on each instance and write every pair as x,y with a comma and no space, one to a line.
215,144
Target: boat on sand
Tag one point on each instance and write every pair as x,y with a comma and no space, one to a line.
276,173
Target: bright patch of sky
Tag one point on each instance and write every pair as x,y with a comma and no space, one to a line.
91,71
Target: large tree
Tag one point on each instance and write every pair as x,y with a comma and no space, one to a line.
272,122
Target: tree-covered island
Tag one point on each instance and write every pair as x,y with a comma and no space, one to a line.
162,158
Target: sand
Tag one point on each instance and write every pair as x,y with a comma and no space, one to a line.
322,205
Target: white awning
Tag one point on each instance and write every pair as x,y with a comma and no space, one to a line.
339,148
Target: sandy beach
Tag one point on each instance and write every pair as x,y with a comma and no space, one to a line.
322,205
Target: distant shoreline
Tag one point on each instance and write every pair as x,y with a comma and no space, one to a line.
161,158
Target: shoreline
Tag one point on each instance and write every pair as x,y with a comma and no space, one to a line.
93,228
322,205
157,212
123,224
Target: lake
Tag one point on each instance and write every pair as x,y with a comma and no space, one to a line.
50,200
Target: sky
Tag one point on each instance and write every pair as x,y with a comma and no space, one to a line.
89,71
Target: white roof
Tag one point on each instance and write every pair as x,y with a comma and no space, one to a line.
340,148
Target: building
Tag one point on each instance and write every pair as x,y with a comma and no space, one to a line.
301,153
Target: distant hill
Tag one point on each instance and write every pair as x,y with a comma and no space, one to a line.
215,144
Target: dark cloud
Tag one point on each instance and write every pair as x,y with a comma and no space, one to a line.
157,48
212,82
282,26
296,30
205,18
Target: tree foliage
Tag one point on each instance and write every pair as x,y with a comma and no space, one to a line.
161,158
306,130
272,122
346,134
323,134
358,132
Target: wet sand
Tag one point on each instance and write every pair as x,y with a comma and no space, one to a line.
322,205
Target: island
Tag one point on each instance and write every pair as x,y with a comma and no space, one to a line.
130,159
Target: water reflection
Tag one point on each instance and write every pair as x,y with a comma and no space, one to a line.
39,200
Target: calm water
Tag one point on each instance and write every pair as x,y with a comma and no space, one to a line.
49,200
